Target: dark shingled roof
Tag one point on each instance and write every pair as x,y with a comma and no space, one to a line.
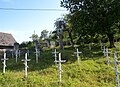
6,39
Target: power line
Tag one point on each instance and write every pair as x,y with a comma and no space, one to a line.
30,9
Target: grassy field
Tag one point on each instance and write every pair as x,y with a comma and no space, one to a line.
93,70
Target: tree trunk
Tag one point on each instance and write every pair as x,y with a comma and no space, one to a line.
71,39
61,42
111,40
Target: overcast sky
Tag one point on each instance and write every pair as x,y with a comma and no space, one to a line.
21,24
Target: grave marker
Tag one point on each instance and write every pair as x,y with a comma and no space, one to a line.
16,55
37,54
4,62
16,48
36,48
104,51
107,55
116,62
89,46
78,57
19,53
59,66
55,55
25,63
101,44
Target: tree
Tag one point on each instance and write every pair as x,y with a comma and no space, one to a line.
60,26
34,37
69,27
95,16
44,34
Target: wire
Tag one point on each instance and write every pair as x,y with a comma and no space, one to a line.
31,9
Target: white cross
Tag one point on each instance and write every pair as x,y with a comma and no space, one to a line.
36,53
107,55
55,55
78,57
104,51
116,62
25,63
59,67
4,62
16,54
19,53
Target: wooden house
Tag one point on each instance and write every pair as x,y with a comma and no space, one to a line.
6,41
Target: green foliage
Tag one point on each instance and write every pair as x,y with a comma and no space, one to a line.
27,45
34,37
95,17
44,34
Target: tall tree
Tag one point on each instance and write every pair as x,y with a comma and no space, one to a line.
69,27
44,34
60,26
95,16
34,37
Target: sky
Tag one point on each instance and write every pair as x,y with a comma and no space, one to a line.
22,24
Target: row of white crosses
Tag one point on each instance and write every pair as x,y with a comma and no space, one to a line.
77,54
19,53
59,62
25,63
106,52
16,53
116,62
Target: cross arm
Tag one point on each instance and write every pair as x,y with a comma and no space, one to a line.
77,52
25,60
5,59
54,52
60,61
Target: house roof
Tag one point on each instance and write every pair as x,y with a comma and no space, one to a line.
6,39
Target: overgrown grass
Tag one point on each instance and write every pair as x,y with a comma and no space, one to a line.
93,70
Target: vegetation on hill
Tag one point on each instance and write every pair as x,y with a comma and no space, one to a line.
93,70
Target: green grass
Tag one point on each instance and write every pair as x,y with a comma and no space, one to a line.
93,70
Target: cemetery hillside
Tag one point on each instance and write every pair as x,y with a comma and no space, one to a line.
93,69
82,50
